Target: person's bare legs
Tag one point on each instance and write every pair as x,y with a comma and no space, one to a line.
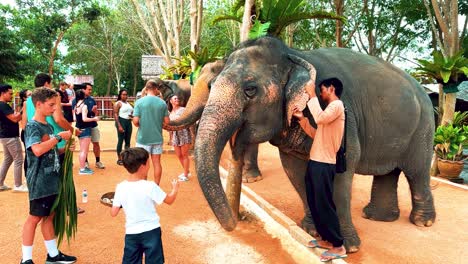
84,149
156,159
182,153
47,227
29,229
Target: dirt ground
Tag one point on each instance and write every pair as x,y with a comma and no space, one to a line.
191,233
382,242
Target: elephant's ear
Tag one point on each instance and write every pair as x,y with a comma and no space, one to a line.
295,94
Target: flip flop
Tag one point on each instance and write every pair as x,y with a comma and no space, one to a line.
315,244
327,256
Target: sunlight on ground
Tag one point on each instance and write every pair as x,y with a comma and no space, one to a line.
218,246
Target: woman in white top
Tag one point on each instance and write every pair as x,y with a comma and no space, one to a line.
123,122
180,139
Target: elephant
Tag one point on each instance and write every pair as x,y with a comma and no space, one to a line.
389,129
194,108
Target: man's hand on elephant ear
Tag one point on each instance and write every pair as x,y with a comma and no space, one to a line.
310,88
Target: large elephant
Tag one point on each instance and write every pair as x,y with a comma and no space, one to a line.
197,97
390,128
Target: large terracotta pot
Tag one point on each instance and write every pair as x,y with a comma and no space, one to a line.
449,169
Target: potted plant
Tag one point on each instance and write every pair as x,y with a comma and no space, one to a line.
449,143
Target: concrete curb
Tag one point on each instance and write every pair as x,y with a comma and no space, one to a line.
278,225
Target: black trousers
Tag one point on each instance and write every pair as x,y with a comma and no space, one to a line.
124,136
319,189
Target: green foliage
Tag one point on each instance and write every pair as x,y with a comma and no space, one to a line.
65,208
450,141
278,13
259,29
201,58
179,70
10,57
444,70
460,119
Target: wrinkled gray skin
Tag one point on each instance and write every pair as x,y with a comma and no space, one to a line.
389,129
197,97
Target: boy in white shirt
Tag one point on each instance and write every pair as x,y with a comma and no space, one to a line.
137,197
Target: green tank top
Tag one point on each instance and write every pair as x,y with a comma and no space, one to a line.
31,110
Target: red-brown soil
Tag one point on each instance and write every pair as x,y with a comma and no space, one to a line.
191,233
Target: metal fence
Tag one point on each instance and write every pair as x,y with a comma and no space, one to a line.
105,105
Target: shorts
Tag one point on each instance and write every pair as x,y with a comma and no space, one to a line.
85,133
42,206
95,134
149,243
153,149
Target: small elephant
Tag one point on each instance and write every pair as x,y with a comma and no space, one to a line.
197,97
390,127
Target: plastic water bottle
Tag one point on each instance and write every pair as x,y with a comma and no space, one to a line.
84,196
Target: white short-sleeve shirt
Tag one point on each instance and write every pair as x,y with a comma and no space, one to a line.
138,199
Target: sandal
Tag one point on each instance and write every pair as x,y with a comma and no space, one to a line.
327,256
315,244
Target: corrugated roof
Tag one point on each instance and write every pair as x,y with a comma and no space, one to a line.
462,94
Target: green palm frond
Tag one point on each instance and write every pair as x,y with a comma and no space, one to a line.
277,28
222,17
259,29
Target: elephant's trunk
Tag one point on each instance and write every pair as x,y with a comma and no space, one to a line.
198,98
217,125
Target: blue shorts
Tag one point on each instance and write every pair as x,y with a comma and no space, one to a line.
153,149
85,133
148,242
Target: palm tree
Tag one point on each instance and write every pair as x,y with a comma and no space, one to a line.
278,13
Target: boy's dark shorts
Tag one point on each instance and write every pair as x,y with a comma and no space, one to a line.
149,243
42,206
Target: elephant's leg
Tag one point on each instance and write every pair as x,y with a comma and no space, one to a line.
416,167
383,205
423,212
250,171
342,199
295,169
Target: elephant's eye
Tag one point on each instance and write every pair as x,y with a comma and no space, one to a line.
250,90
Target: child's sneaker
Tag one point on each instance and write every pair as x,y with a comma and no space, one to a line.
86,171
60,258
29,261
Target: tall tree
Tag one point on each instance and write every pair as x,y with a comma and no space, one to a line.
10,57
162,21
196,18
44,23
387,28
448,39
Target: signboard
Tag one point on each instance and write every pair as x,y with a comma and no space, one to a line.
79,79
151,66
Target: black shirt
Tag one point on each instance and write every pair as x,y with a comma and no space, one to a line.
8,128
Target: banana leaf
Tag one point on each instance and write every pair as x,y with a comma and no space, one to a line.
65,208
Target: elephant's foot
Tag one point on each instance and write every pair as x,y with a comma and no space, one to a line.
308,225
251,175
380,214
421,217
352,244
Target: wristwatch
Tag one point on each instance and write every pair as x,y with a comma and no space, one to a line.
58,138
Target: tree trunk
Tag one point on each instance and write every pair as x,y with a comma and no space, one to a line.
54,52
246,22
339,9
446,13
196,12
